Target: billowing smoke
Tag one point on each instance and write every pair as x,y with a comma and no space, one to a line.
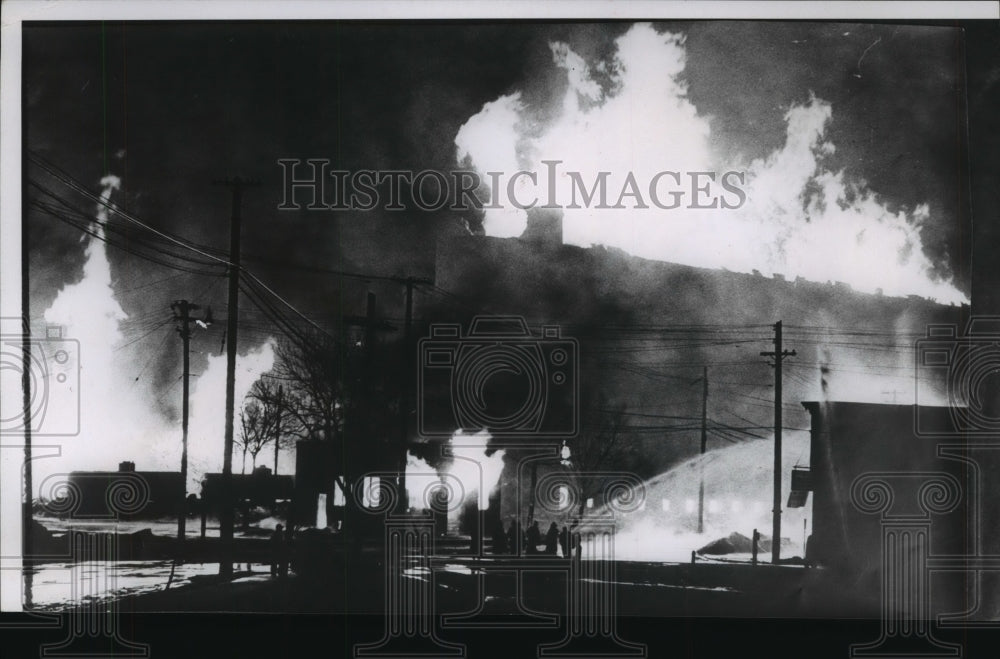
473,464
472,468
119,417
418,473
115,419
625,120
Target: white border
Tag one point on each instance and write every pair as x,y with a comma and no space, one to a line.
14,12
11,459
21,10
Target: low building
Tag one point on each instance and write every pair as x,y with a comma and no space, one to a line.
126,493
260,488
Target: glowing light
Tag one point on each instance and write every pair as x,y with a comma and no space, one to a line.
120,417
470,466
799,217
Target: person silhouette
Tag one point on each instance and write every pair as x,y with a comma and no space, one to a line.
514,538
277,542
551,539
500,541
534,538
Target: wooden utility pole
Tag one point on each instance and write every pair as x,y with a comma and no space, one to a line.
182,311
27,512
406,393
277,428
226,504
704,443
778,355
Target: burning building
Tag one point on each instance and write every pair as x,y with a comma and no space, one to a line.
647,328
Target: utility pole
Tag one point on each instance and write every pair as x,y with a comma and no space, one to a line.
182,311
226,517
27,511
277,429
778,355
704,443
369,335
406,395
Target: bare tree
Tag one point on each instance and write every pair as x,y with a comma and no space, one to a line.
315,382
313,397
601,446
263,420
276,421
253,434
334,390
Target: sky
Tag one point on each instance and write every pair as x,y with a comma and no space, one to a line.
170,108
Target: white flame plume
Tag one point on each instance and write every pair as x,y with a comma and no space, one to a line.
799,218
119,418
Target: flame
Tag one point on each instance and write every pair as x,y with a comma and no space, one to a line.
208,401
478,472
469,465
799,217
417,472
115,419
119,418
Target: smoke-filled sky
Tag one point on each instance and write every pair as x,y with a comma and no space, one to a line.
802,211
839,123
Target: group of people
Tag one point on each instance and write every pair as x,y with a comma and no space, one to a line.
514,541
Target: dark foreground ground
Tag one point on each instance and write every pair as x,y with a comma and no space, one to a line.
280,618
510,587
512,608
334,603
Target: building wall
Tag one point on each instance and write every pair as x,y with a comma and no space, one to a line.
163,487
849,440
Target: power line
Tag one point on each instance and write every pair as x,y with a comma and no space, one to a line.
67,180
70,182
152,356
140,338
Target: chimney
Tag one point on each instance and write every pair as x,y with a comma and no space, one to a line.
126,466
544,227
